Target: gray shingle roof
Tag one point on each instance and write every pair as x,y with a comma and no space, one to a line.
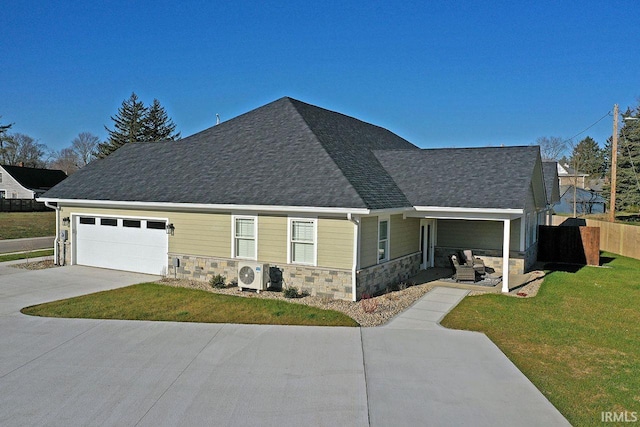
494,177
286,153
550,171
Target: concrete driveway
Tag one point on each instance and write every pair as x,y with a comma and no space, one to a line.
107,372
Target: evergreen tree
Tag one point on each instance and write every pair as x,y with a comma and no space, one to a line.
137,123
157,126
587,157
628,176
128,126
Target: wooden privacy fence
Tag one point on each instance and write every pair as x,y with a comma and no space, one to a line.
621,239
571,244
21,205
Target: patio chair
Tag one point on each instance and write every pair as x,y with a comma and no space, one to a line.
463,272
475,262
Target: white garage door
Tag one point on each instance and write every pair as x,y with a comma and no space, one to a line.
138,245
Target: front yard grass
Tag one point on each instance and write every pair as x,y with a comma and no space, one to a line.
151,301
29,255
577,340
18,225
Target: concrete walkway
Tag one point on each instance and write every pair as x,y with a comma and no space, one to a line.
106,372
427,312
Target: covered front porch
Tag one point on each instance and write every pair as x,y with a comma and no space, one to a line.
499,237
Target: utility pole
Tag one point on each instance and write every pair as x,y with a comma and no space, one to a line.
614,165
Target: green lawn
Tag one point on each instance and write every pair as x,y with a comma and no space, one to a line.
33,254
152,301
17,225
578,340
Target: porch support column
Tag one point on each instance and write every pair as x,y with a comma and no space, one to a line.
506,238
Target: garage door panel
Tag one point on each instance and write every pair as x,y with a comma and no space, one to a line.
117,247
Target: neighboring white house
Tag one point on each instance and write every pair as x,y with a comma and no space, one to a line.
19,182
569,176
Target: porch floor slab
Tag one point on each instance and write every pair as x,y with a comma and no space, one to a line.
434,276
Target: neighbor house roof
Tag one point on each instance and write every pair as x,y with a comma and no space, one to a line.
550,170
489,177
582,195
34,178
566,170
286,153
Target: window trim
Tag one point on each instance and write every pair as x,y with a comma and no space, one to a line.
233,236
290,221
387,219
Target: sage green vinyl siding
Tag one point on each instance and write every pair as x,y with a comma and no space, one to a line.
272,239
209,234
335,243
405,236
369,241
462,234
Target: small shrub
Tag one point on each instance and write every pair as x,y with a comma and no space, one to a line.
368,304
291,292
218,281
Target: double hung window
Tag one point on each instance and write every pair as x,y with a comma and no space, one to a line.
383,240
245,237
303,241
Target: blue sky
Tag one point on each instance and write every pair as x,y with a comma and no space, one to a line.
440,74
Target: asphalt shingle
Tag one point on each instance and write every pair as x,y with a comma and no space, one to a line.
286,153
488,177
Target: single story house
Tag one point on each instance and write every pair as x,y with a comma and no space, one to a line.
341,207
19,182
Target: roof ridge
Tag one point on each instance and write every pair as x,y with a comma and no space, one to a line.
293,102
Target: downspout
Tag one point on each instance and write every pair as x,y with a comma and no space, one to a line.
56,241
356,254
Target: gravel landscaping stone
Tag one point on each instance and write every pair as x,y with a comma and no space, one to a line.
368,312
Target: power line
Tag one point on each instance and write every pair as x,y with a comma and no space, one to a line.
581,132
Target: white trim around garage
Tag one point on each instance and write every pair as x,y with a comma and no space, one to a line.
142,265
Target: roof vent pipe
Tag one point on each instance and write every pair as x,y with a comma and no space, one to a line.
217,119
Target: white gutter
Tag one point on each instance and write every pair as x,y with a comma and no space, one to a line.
56,241
206,207
491,214
469,210
356,253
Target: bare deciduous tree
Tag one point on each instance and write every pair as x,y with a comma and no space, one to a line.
85,145
67,160
20,148
551,147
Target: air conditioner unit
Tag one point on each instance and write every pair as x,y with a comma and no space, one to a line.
252,275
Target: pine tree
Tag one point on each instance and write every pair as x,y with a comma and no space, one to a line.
628,176
157,126
589,158
128,126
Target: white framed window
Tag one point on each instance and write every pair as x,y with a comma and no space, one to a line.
303,239
3,194
245,237
383,239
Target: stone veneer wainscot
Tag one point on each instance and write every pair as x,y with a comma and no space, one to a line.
316,281
374,280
